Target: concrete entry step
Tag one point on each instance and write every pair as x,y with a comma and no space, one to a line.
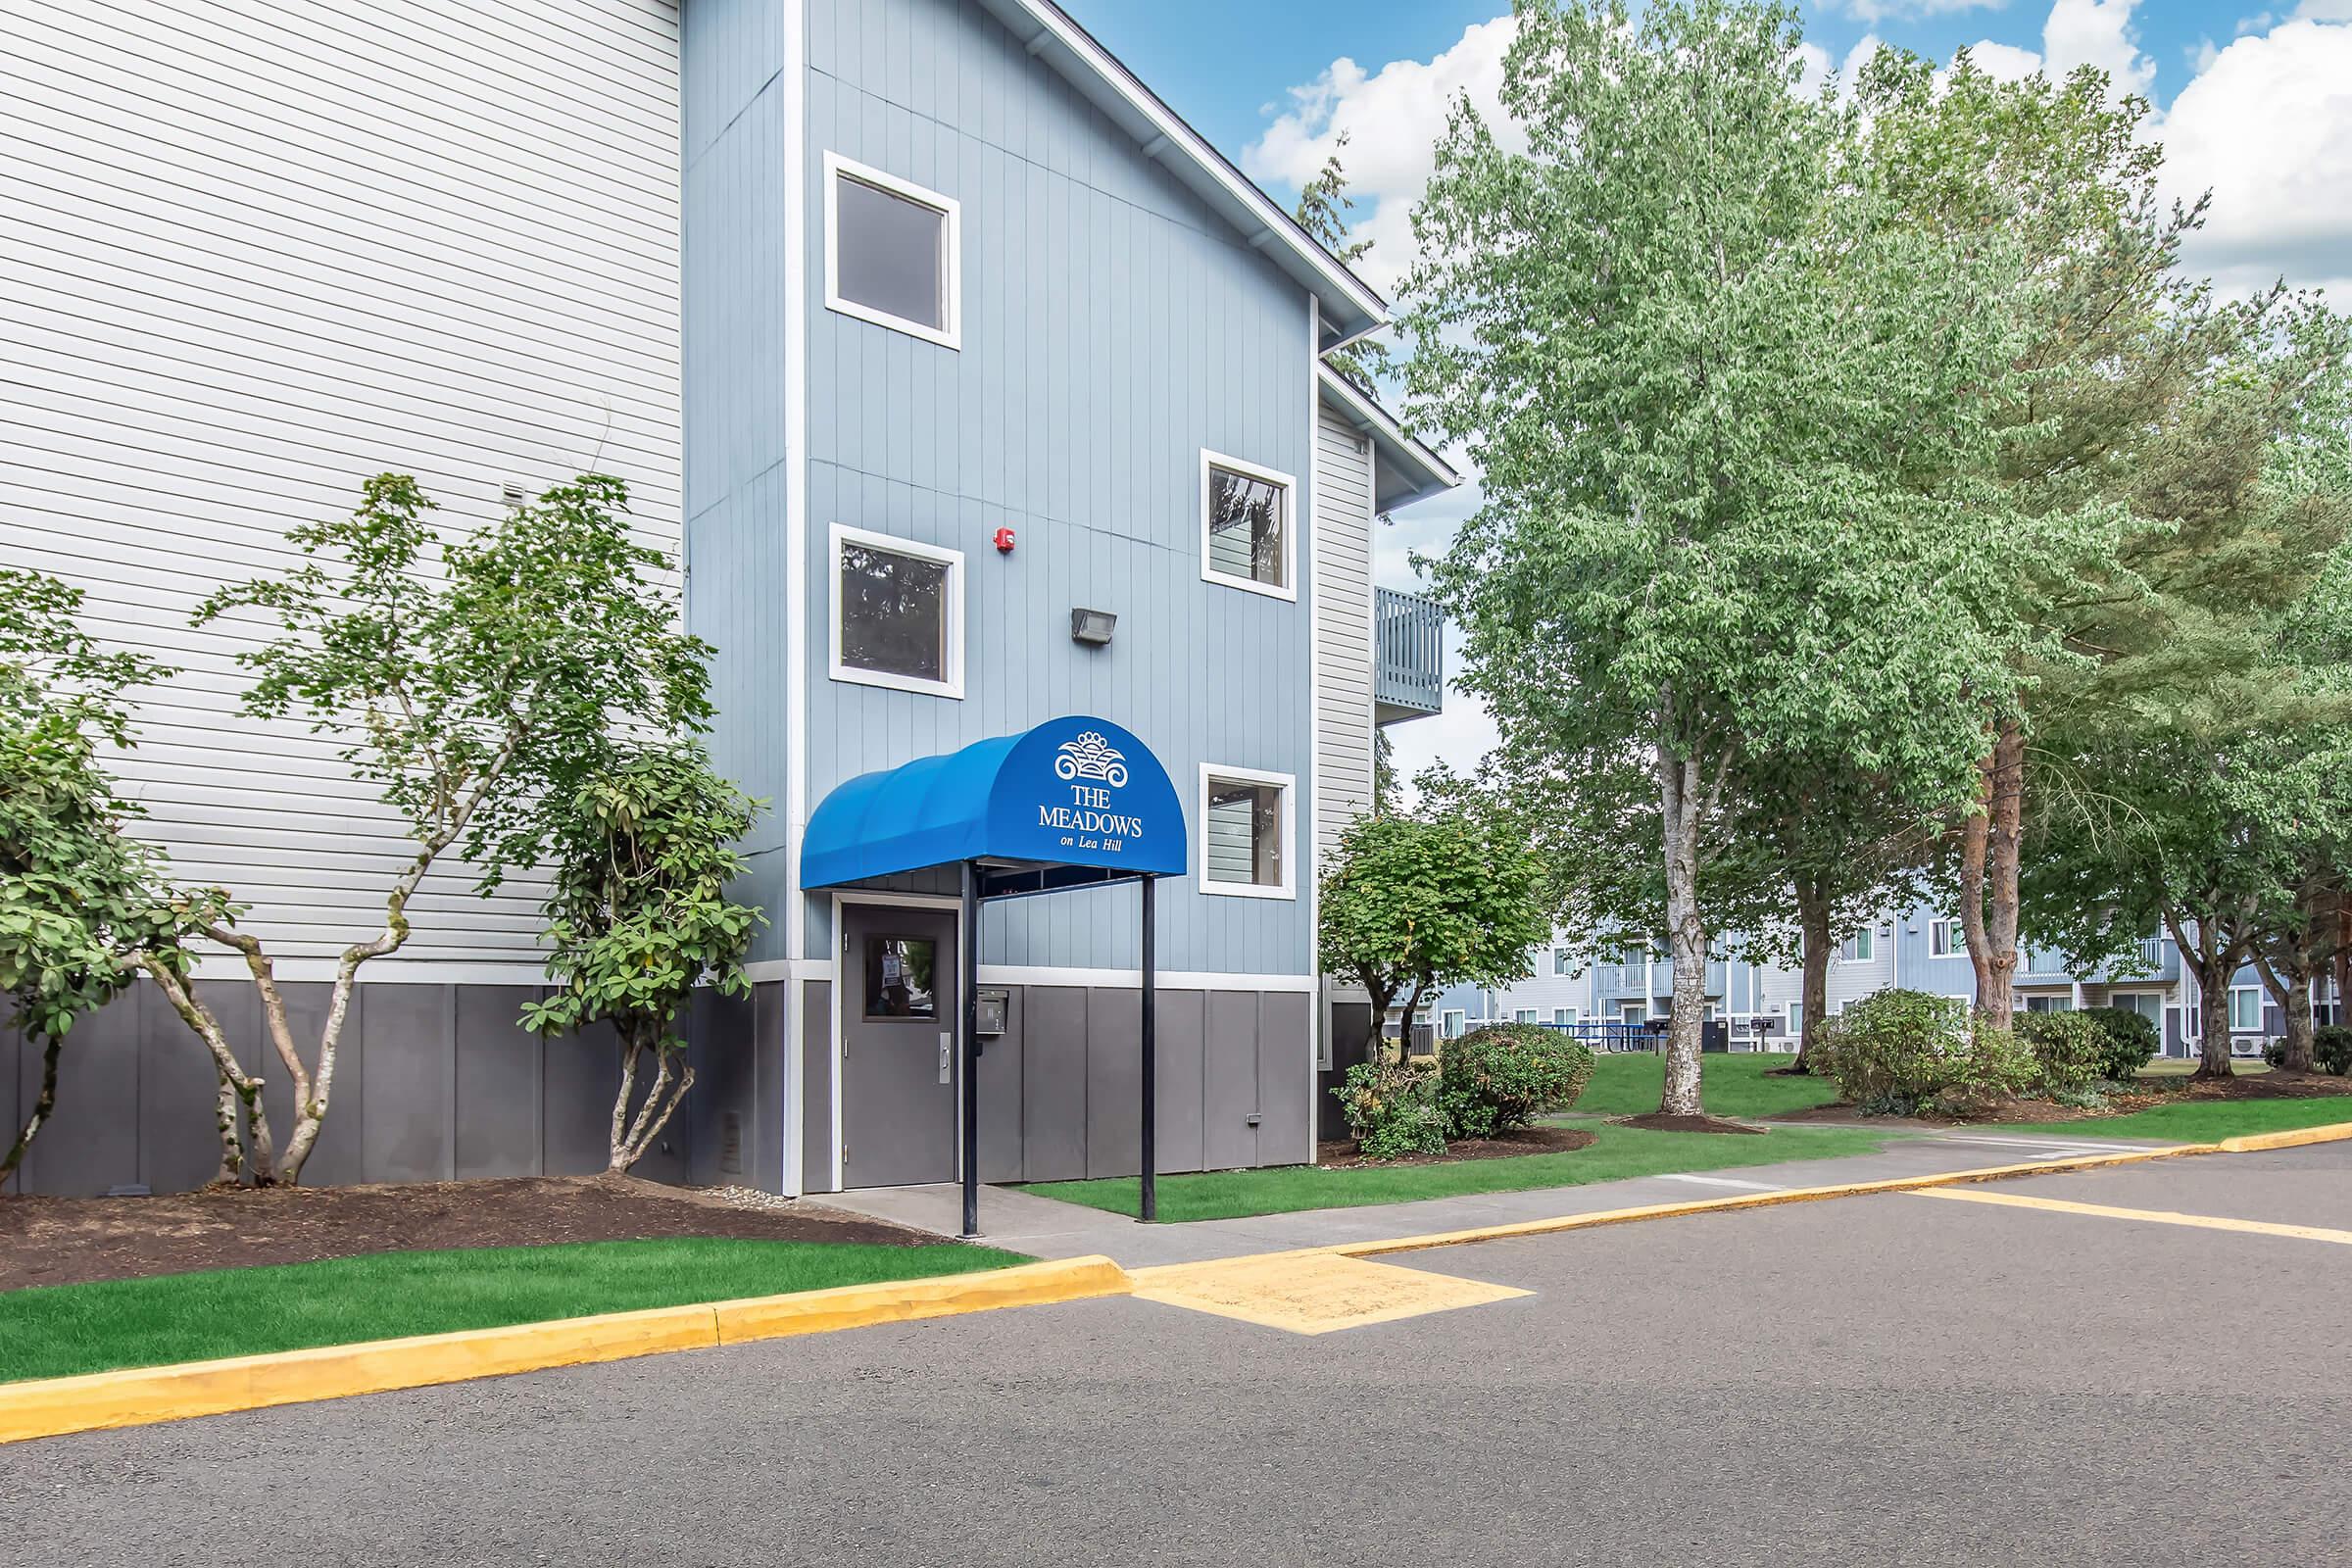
1311,1293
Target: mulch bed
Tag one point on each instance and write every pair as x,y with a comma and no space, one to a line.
1659,1122
1342,1153
66,1241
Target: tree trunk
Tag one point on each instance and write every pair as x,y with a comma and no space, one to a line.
1686,932
43,1105
2213,1016
232,1138
1813,926
661,1102
2288,980
261,1159
1412,1010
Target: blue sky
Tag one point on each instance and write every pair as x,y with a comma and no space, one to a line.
2252,101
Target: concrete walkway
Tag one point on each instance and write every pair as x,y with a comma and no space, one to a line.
1046,1227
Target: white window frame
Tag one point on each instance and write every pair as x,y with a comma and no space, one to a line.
1452,1023
1954,941
1865,937
1289,590
1288,888
952,638
1793,1015
2256,1026
1626,1012
838,168
1559,960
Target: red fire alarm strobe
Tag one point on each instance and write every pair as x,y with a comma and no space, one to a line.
1004,541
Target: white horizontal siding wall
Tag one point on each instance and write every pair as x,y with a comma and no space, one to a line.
254,254
1342,628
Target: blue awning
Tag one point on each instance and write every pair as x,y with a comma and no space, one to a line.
1074,801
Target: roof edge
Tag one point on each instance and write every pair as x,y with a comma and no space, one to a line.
1351,303
1425,472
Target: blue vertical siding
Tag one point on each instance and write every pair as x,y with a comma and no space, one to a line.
1111,329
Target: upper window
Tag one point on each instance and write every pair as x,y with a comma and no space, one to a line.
1856,948
1245,534
1944,938
892,252
1451,1023
2245,1009
898,613
1246,833
1559,960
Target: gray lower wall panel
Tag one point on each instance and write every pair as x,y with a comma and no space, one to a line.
436,1081
499,1064
1053,1083
1286,1070
1183,1017
817,1061
408,1034
1115,1082
1229,1081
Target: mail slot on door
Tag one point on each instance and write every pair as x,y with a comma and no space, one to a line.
988,1008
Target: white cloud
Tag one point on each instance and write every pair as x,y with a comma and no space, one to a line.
2097,32
2267,126
2078,33
1874,10
2316,11
1392,119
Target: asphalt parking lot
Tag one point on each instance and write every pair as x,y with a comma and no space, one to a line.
1899,1378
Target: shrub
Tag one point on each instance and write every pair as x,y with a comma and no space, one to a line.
2069,1052
2132,1040
1906,1051
1392,1108
1507,1075
2331,1049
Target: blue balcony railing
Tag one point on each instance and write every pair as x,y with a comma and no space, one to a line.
1408,656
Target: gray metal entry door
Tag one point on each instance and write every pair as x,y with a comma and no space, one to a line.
899,1001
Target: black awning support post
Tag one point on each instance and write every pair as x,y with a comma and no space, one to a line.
967,1054
1148,1205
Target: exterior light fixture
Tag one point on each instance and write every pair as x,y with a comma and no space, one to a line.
1092,626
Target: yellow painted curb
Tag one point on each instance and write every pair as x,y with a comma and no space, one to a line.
2298,1137
775,1317
1744,1201
139,1395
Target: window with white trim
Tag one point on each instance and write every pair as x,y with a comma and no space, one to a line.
1945,938
1562,1017
2048,1002
1246,833
1795,1012
1858,949
2245,1009
897,613
1525,1015
1452,1023
1559,960
1632,1011
1246,540
893,253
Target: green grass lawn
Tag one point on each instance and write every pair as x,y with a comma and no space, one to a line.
57,1330
2201,1121
1629,1085
1615,1154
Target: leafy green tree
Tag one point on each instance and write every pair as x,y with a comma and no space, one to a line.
1413,903
80,901
638,916
1731,415
2138,560
1322,211
471,680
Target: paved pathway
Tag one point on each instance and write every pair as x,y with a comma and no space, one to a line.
1046,1227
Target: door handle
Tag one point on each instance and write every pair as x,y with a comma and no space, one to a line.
947,1058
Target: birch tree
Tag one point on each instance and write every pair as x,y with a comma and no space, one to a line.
471,680
1728,414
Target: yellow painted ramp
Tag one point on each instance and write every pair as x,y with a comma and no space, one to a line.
1311,1293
